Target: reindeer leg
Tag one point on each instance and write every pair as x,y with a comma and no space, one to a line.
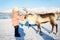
52,27
56,28
55,24
39,28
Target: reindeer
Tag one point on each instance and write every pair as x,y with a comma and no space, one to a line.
42,18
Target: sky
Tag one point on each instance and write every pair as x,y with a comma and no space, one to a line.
9,4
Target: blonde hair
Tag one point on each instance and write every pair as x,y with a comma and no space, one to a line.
15,10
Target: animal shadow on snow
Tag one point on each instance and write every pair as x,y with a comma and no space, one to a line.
21,32
34,25
45,36
31,25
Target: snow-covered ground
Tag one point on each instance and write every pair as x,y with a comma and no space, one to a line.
7,31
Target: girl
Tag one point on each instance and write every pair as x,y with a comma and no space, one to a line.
15,20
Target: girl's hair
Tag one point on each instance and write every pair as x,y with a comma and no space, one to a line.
15,10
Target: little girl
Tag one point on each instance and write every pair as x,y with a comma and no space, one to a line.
15,20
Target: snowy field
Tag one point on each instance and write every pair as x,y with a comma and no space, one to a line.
7,31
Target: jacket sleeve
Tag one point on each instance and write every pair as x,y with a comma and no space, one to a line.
20,17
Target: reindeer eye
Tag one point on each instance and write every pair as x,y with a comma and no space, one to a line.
25,17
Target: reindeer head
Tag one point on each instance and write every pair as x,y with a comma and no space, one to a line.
26,14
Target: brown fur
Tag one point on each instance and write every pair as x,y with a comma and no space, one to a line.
46,15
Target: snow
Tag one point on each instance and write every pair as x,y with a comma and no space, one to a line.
35,10
31,33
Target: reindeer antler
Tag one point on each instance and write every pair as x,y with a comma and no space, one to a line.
25,9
